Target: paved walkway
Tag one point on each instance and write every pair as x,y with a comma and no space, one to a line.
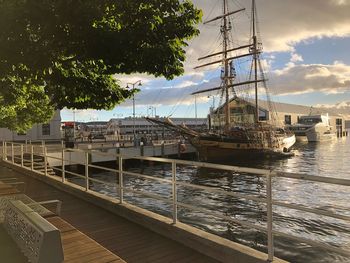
130,241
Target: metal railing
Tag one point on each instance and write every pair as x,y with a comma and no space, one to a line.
21,154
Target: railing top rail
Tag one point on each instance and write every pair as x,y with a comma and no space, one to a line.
313,178
254,171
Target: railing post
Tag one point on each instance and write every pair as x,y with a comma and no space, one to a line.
63,168
32,157
174,192
5,151
21,155
43,146
121,192
270,246
12,153
26,143
45,160
87,171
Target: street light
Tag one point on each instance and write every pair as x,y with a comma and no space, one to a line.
133,105
213,104
153,111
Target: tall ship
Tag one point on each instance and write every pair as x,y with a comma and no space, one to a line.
237,128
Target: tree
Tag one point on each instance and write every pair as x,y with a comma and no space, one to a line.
64,53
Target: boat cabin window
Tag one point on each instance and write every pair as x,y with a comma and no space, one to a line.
287,119
309,120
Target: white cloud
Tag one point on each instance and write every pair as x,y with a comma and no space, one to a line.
342,108
86,115
294,79
185,84
296,58
282,24
172,96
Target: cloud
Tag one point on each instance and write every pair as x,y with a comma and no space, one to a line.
86,115
294,79
296,58
282,24
172,96
341,105
342,108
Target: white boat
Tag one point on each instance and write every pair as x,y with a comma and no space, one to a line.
313,128
320,132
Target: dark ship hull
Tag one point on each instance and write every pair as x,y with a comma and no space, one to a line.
216,149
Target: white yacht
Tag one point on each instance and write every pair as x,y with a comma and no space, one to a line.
313,128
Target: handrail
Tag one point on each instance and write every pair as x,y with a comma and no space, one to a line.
172,198
313,178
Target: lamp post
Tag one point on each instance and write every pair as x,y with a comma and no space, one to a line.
211,111
153,114
74,125
133,106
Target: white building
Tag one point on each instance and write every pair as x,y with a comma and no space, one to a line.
142,126
49,131
243,111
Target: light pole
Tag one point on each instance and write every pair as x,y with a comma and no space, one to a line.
153,114
211,112
195,109
213,104
74,125
133,106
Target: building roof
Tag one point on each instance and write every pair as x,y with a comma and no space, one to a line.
297,109
290,108
143,121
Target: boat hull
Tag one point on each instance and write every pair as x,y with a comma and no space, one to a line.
214,150
320,133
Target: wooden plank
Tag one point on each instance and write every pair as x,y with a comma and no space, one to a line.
78,247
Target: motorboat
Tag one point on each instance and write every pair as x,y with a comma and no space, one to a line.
313,128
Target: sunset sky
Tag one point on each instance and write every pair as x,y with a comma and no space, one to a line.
306,57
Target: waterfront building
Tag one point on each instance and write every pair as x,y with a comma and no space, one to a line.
123,128
242,111
50,131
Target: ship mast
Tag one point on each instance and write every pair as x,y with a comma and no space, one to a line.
224,31
255,58
227,77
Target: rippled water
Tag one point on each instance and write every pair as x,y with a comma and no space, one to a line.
324,159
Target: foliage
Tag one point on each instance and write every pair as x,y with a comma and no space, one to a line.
64,53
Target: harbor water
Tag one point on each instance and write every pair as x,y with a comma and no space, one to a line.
330,159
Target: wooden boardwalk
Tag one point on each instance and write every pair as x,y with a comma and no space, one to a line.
131,242
78,247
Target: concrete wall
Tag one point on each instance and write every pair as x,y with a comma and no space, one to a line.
36,132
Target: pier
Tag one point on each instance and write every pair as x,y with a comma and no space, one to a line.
97,212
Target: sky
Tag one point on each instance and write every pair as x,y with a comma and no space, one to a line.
306,59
